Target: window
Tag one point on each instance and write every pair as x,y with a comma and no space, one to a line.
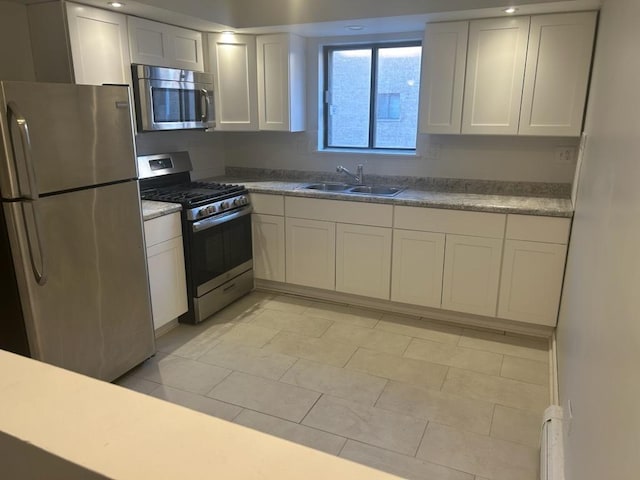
372,93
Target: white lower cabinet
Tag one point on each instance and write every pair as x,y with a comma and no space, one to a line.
418,260
363,260
165,259
268,247
471,274
311,253
532,274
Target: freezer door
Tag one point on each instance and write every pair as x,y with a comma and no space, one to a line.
58,137
93,313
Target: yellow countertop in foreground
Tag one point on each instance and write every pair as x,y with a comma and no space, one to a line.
122,434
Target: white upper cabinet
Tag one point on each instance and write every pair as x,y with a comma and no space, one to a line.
557,73
281,82
99,45
495,74
444,57
233,64
521,75
154,43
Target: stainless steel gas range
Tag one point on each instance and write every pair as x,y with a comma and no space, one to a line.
216,230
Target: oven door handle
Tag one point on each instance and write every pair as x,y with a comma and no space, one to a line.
217,220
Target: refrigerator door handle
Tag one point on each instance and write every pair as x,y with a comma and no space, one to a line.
36,254
25,141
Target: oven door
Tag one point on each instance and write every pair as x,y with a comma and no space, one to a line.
221,249
173,105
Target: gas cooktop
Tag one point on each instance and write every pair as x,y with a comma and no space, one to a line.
192,194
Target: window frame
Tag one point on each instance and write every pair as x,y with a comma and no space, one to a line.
373,106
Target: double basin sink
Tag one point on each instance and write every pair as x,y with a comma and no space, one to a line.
354,189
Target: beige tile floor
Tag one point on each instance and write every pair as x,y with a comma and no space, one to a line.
414,397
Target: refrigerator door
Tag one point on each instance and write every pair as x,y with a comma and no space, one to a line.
56,137
93,313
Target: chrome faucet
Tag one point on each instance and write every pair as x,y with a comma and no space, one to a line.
358,178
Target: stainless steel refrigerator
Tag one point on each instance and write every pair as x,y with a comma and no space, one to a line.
73,274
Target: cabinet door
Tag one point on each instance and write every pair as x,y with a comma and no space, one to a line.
268,247
233,64
495,73
311,253
531,285
557,73
418,261
99,45
444,57
471,274
167,281
281,82
154,43
363,260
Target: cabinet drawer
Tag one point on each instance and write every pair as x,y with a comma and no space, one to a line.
162,229
357,213
479,224
267,204
538,229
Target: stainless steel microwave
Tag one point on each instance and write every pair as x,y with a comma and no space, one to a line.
172,99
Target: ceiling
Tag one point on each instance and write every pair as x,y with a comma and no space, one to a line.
315,18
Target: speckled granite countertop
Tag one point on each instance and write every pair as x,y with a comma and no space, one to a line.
552,207
151,209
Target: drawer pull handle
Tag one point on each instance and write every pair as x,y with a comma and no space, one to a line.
228,287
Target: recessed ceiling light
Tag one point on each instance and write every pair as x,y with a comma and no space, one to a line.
228,32
510,10
354,27
116,4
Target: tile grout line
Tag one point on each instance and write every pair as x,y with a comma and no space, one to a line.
424,433
309,411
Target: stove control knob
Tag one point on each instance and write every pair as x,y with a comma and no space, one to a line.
236,202
223,206
211,210
242,200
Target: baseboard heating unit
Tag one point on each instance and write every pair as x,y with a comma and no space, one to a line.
551,452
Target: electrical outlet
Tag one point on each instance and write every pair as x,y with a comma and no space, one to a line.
565,155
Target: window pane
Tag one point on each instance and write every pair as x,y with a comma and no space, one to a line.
350,87
398,90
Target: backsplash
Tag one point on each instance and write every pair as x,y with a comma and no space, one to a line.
436,184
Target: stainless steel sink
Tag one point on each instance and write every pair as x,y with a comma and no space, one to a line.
328,187
376,190
355,189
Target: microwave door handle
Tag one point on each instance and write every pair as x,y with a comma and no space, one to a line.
25,142
207,105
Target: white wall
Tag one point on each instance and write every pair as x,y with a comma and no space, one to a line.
16,61
449,156
206,150
599,325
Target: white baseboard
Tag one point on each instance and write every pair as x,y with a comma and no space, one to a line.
464,319
166,328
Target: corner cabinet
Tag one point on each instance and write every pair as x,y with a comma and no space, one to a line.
154,43
557,73
233,63
165,259
522,75
99,45
533,268
281,82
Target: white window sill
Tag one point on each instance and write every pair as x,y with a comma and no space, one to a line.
366,151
